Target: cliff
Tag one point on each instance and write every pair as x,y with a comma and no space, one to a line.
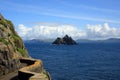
12,48
65,40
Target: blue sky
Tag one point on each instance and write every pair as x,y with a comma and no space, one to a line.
78,13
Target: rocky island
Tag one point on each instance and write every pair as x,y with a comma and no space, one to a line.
15,62
66,40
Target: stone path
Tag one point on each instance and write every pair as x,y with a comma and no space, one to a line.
12,75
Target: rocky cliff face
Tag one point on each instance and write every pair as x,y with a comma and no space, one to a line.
65,40
11,47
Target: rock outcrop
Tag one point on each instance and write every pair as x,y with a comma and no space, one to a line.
65,40
12,48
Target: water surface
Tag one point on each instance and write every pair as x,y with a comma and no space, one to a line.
85,61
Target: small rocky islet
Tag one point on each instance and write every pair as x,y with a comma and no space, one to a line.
66,40
13,54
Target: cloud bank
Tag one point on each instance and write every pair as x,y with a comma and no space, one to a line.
47,31
102,31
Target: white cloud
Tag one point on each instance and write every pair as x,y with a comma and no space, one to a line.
102,31
23,30
52,31
49,31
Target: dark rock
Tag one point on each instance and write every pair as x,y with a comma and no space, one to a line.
65,40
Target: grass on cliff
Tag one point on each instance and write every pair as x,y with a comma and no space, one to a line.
7,23
3,22
16,38
22,51
11,25
4,41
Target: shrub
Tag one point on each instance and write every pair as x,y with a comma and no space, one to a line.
22,51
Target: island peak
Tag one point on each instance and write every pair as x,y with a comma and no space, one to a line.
65,40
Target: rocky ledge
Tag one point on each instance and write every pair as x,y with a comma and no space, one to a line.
65,40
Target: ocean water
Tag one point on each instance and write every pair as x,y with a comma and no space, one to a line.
85,61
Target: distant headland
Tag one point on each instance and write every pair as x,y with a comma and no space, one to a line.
66,40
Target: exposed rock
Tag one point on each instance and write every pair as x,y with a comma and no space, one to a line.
65,40
11,47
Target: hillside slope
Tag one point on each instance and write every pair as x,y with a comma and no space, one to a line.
11,47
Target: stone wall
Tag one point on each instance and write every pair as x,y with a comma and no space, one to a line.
34,70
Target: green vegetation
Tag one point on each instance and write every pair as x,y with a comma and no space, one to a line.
4,41
16,38
8,21
22,51
11,25
3,22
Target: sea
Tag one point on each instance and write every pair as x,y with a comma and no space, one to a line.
84,61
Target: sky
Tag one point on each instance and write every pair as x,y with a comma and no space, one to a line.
48,19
